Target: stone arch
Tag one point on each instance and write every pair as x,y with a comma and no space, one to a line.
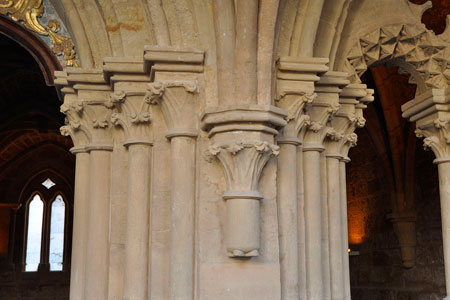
413,44
46,60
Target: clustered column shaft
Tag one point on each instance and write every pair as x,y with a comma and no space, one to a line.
97,250
136,247
81,210
178,103
444,190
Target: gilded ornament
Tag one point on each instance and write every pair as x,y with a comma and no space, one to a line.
28,13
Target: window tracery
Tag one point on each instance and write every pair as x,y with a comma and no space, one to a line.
45,233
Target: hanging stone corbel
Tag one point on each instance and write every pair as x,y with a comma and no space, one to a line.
243,164
243,149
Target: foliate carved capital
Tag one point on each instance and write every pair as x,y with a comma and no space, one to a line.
316,129
334,135
294,104
179,106
73,126
86,122
132,113
243,162
436,138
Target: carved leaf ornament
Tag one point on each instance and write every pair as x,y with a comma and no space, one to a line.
28,13
436,138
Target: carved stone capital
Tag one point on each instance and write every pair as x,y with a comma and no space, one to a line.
243,163
87,122
322,110
296,119
131,111
178,100
243,141
430,112
87,117
436,138
295,89
352,101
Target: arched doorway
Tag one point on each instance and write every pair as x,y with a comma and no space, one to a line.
35,162
389,169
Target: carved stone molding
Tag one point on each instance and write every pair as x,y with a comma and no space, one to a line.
178,103
412,43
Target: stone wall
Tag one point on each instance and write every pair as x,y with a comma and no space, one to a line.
377,272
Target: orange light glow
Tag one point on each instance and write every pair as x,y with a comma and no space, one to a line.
358,214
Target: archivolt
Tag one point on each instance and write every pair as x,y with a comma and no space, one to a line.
415,45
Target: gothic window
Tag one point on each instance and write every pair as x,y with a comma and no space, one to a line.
34,236
57,234
45,230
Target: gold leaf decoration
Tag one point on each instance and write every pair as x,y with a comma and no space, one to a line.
28,13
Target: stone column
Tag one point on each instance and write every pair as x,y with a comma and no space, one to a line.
430,113
178,100
81,199
91,118
97,250
97,258
79,238
133,115
295,88
344,228
243,148
287,191
353,100
320,110
88,123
